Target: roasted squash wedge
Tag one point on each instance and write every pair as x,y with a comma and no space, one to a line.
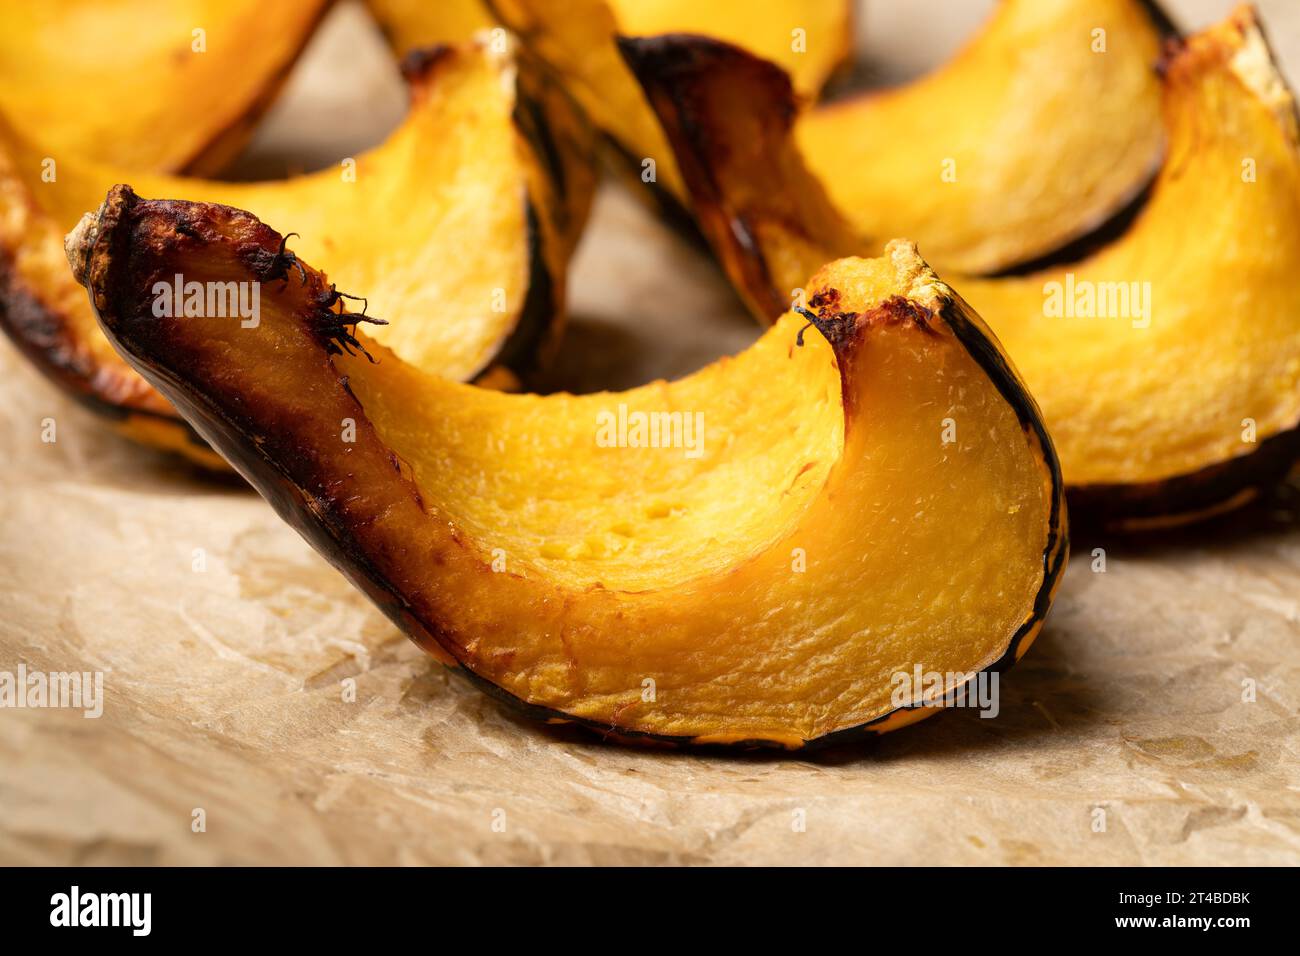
147,85
1167,363
987,163
759,566
460,225
809,38
994,159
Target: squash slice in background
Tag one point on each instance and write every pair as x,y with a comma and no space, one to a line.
1027,140
410,24
147,85
1167,363
767,570
1043,128
577,39
460,225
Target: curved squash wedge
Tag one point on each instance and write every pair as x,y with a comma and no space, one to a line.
460,225
987,163
1167,363
809,38
760,575
146,85
994,159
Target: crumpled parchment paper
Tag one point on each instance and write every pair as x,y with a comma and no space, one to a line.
258,710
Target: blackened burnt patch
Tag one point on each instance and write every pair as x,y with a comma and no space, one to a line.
273,266
336,328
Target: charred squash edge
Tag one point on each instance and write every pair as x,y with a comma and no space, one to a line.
617,158
664,55
315,520
43,335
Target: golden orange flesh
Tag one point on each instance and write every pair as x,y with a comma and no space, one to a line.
1043,126
146,85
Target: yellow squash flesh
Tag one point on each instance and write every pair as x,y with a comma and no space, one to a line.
1188,326
1044,126
411,24
146,85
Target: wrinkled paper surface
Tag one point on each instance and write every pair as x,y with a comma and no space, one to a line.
225,687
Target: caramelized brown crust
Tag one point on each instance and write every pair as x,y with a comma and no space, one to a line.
776,191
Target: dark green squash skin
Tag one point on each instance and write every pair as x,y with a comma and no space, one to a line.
521,350
272,464
1187,498
1161,20
662,202
620,160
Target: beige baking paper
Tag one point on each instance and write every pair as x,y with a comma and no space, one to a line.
258,710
